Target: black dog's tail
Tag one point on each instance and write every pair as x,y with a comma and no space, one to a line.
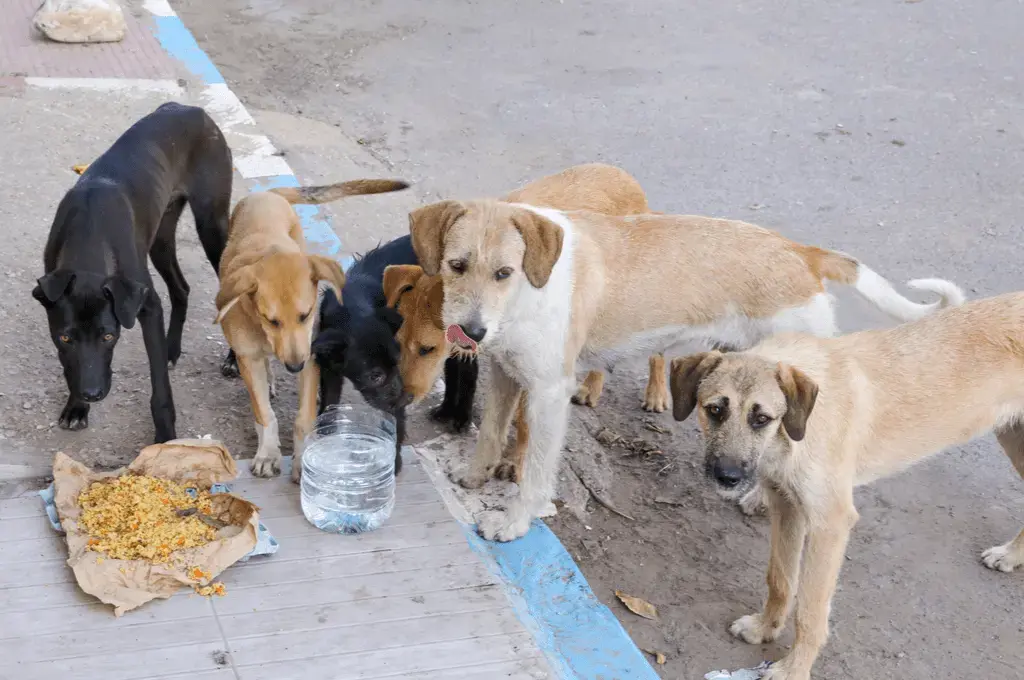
333,192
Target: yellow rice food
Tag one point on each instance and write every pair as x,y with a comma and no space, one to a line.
135,517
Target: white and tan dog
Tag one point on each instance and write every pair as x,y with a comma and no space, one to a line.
537,288
813,418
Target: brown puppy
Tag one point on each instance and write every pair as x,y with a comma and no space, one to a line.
536,289
267,301
813,418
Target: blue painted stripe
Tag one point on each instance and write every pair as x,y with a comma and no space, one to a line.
581,637
315,226
179,43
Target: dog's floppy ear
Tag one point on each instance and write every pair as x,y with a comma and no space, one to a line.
398,279
53,286
330,346
543,245
242,281
435,300
428,226
685,377
801,393
389,316
127,297
327,269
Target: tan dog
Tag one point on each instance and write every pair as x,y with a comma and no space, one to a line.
267,303
537,288
592,186
418,298
813,418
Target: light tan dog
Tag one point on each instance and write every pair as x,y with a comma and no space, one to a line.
596,187
267,303
813,418
535,289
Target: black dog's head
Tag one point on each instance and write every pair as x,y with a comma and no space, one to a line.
363,349
86,312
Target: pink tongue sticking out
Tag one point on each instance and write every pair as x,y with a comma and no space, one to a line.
457,336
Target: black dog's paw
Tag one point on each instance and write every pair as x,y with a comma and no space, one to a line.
229,367
74,417
173,353
441,414
460,422
398,461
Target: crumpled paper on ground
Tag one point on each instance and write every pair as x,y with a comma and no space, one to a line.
128,584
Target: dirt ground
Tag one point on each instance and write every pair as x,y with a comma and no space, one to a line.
900,143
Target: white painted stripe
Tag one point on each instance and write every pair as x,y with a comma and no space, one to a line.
254,154
159,8
141,85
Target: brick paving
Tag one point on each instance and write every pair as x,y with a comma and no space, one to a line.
25,52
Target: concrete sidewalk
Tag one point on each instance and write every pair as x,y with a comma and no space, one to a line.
411,600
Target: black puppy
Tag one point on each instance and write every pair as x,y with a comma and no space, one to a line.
124,206
357,340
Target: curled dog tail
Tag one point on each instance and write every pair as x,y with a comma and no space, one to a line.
878,291
333,192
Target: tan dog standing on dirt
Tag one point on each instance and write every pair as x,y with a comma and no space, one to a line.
418,298
813,418
267,303
538,288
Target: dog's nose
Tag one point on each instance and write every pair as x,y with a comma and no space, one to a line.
92,394
727,474
474,332
295,368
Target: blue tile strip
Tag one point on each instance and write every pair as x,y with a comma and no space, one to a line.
580,637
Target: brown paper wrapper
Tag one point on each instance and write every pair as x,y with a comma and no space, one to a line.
128,584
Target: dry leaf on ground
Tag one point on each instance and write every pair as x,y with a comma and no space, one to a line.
659,658
637,606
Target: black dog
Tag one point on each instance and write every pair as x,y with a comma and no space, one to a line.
357,340
125,205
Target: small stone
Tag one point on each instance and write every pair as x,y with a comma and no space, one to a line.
27,405
80,21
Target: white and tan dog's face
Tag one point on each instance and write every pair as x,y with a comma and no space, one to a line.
748,408
484,251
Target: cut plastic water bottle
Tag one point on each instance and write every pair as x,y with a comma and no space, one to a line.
348,470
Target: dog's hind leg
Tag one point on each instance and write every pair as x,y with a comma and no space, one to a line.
211,208
656,395
161,403
1009,556
164,255
589,391
501,402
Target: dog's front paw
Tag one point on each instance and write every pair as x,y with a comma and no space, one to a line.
1004,558
754,502
752,630
229,367
586,396
502,526
267,463
470,479
778,672
74,417
655,400
506,471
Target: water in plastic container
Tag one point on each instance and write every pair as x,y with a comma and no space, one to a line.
348,470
